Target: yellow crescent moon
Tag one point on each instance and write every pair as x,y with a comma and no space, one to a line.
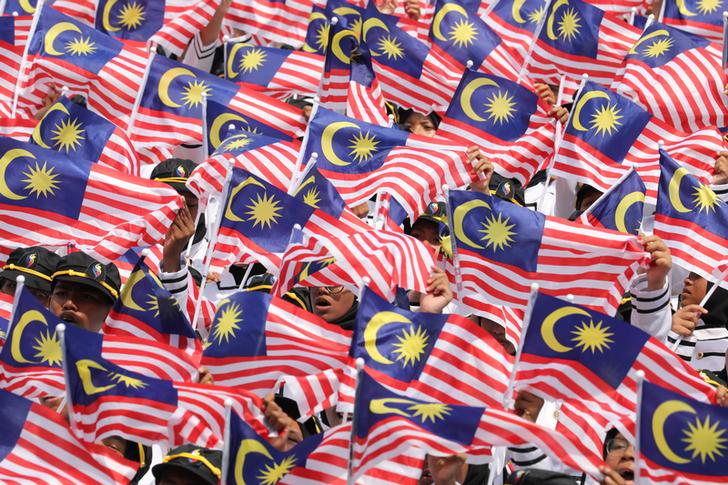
126,295
105,17
683,9
449,7
647,37
346,11
336,45
550,23
380,406
25,4
5,161
54,32
36,132
623,207
82,367
370,24
516,11
308,181
467,93
219,122
585,98
246,447
167,79
229,214
327,138
231,59
547,327
379,320
27,318
664,411
457,220
314,16
674,190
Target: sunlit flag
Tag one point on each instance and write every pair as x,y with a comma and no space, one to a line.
11,55
283,21
699,17
620,208
342,45
364,100
516,23
319,27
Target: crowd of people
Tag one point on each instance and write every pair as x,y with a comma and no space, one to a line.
664,300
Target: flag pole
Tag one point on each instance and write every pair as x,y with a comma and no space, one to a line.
19,284
632,15
225,41
536,34
724,55
226,442
507,397
24,60
2,6
604,195
61,331
142,88
205,134
304,144
640,390
661,16
350,466
453,246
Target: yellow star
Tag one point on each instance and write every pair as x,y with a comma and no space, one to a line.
432,411
80,46
705,440
41,180
592,337
68,135
659,47
497,232
463,33
706,7
153,303
312,197
363,146
411,345
236,143
606,119
128,381
49,348
264,211
536,15
227,323
274,473
391,47
322,36
569,25
194,92
705,199
500,107
131,15
252,60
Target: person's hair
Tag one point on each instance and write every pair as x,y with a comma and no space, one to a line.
611,434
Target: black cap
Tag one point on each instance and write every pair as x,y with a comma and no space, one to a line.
201,462
540,477
81,268
35,263
300,102
175,172
506,189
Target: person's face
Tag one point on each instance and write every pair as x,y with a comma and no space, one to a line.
498,333
116,443
81,305
588,200
8,287
176,476
420,124
620,458
426,231
192,203
331,303
306,111
694,290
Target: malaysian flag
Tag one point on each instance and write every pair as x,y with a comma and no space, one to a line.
50,200
695,16
506,119
516,23
256,338
283,21
501,249
40,448
146,310
19,7
69,128
303,257
361,159
364,100
572,353
64,51
18,129
419,353
620,208
6,306
386,423
691,219
317,33
342,45
677,76
618,6
607,133
276,72
579,38
680,441
11,55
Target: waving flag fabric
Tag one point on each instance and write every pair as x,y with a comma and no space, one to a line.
696,17
48,199
342,46
360,159
572,353
252,348
319,26
283,21
677,76
39,447
18,129
11,54
364,100
619,209
691,219
277,72
680,440
580,38
6,306
69,128
607,133
505,119
145,309
516,23
300,260
503,248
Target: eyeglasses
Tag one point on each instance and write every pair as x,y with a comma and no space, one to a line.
617,446
331,290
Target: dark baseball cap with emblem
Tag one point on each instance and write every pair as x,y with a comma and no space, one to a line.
203,463
175,172
83,269
35,263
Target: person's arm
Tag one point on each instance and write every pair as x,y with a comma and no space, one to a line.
439,293
651,291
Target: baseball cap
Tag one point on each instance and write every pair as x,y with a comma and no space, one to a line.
35,263
81,268
201,462
174,172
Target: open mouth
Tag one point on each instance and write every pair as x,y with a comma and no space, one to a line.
68,317
322,303
627,474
